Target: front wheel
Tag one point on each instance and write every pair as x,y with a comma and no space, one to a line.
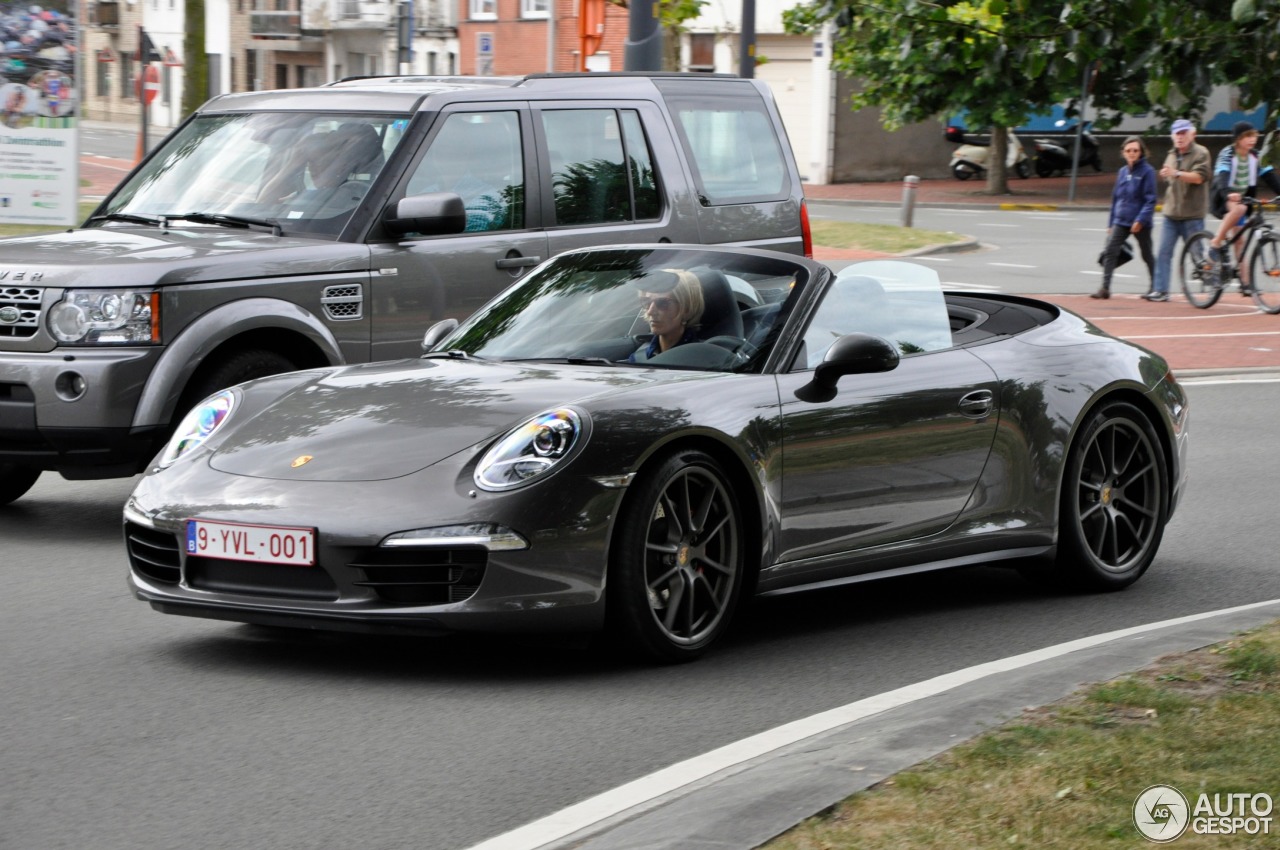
1023,169
1264,272
1201,275
676,567
963,170
15,481
1114,501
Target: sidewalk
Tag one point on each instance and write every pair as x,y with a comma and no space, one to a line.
1092,191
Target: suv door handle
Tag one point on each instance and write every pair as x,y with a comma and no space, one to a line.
977,404
517,262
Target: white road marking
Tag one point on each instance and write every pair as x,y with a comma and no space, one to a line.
1013,265
642,793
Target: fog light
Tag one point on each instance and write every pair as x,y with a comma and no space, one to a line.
70,386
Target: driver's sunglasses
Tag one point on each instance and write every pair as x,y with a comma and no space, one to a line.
662,302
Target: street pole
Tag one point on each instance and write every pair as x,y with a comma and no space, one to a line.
747,41
643,48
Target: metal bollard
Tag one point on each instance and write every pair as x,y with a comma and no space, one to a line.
909,185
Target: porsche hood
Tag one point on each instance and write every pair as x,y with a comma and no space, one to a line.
379,421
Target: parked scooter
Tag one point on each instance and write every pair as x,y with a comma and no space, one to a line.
970,159
1053,158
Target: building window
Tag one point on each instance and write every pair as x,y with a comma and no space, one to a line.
484,10
535,8
104,76
702,52
126,77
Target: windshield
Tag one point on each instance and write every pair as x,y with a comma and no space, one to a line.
650,307
304,172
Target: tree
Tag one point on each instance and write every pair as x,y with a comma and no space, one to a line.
195,84
672,15
1002,61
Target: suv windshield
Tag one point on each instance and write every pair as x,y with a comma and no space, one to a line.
302,172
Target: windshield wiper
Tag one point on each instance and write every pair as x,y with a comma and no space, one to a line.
224,220
573,361
452,354
129,217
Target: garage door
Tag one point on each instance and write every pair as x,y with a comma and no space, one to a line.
789,73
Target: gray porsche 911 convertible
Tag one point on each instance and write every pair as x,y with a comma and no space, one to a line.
631,439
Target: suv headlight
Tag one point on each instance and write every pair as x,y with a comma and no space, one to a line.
106,317
198,426
532,450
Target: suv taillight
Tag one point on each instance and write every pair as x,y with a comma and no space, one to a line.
805,234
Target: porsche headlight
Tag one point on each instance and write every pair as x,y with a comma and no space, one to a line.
531,450
199,425
106,317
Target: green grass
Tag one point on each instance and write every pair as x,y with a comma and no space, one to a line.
886,238
85,208
1067,775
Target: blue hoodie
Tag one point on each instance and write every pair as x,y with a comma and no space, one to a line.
1134,196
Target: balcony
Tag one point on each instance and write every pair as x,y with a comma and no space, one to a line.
275,25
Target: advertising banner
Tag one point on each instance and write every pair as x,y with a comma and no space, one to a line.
39,96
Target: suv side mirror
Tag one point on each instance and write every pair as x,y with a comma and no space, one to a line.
852,354
432,214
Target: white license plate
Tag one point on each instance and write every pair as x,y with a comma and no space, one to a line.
266,544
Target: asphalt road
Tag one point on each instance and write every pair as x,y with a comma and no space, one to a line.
124,728
1039,252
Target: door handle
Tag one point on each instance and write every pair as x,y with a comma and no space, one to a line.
977,404
517,262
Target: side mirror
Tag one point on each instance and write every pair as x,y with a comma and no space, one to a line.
852,354
432,214
437,332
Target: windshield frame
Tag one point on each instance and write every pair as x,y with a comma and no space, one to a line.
585,308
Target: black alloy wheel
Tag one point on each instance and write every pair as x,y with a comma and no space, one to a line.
677,566
1114,500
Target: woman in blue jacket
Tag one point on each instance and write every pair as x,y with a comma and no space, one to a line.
1133,206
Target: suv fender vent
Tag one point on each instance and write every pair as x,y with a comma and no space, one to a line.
343,302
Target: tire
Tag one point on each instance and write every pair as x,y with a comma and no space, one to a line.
236,369
1115,499
1043,168
676,566
1264,272
963,171
15,481
1023,169
1201,277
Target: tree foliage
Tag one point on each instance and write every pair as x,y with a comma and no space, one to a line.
1002,61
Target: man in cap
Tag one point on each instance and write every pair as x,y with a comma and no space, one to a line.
1187,171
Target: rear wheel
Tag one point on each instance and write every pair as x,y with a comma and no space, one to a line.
1264,272
676,568
15,481
1201,274
1043,168
1023,168
1114,501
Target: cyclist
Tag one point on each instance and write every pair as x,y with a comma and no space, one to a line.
1236,175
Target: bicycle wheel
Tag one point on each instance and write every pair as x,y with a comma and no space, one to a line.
1201,276
1264,272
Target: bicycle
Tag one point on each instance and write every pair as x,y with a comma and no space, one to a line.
1204,278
